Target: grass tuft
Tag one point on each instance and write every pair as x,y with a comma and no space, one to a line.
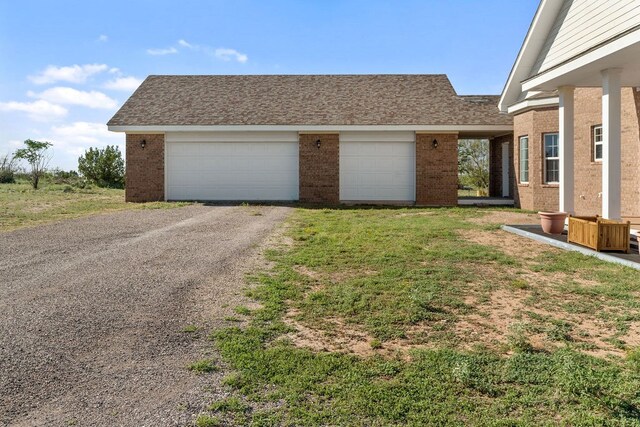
205,420
230,404
203,366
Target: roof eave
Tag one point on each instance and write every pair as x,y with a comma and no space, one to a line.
307,128
542,22
532,104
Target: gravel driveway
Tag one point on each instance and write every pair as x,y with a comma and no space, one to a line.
92,312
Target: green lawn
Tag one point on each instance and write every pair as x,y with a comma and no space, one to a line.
379,317
21,206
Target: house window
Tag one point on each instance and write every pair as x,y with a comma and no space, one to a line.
551,159
524,159
597,143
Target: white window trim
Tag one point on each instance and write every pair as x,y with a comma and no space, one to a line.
520,158
545,158
595,143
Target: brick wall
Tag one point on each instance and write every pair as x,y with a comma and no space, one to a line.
588,177
535,195
319,171
495,165
144,168
319,168
436,170
588,173
630,153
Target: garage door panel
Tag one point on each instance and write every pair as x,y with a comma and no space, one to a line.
378,170
232,170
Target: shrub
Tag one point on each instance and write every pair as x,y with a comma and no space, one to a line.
7,177
104,167
59,176
7,169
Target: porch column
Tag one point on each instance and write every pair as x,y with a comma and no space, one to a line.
565,148
505,169
611,138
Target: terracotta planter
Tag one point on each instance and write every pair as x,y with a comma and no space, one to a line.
552,222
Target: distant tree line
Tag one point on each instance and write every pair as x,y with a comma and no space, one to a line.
103,167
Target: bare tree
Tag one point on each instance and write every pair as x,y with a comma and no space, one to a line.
38,155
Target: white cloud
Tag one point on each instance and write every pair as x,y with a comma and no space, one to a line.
126,84
77,137
73,74
40,110
225,54
167,51
114,70
103,38
70,96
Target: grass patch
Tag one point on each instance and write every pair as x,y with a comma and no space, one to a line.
205,420
230,404
242,310
409,284
21,206
203,366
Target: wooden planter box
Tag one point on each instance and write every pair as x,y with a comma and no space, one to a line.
600,234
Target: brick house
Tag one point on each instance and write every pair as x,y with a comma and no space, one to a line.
313,138
573,93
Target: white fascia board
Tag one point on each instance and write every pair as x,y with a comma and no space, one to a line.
614,46
311,128
534,40
528,104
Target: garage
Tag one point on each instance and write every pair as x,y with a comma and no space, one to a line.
320,139
231,166
377,166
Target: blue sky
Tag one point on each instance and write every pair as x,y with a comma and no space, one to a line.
66,66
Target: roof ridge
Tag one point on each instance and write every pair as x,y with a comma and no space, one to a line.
301,75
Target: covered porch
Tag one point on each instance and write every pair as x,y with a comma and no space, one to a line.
611,67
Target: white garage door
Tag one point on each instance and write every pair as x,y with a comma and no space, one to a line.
377,166
232,166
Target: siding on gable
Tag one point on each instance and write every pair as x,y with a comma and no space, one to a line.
584,24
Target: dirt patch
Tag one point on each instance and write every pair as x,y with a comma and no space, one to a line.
343,338
632,337
333,277
420,213
306,271
491,324
506,217
510,244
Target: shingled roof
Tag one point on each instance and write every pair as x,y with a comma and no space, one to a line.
305,100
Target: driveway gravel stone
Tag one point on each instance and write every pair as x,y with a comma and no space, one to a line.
92,312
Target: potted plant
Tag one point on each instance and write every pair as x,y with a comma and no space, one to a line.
552,222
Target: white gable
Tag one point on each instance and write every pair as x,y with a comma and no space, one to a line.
584,24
